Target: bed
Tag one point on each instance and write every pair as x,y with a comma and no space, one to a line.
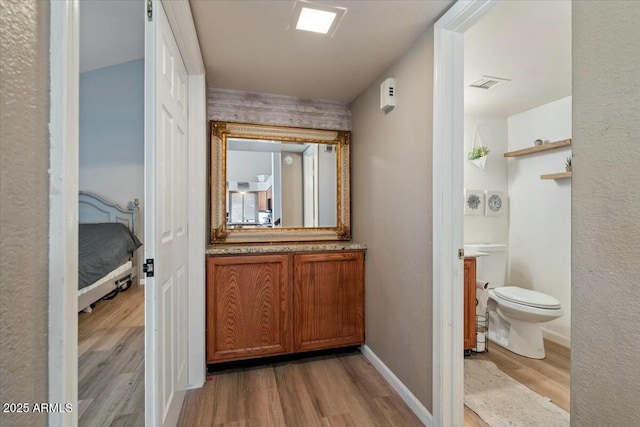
107,248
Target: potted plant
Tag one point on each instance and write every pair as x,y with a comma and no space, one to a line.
478,155
568,164
478,152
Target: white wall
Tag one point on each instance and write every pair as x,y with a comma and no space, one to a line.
493,133
246,165
540,210
291,187
112,131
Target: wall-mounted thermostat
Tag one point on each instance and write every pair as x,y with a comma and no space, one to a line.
387,94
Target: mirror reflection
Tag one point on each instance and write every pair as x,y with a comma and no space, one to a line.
278,184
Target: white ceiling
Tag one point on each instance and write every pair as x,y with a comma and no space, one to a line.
526,41
111,32
246,45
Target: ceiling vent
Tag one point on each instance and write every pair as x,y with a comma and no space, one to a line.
487,82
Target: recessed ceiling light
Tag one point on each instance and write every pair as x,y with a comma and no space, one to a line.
314,20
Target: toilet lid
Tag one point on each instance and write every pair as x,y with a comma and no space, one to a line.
527,297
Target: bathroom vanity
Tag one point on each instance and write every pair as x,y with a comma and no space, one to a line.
282,274
265,300
469,303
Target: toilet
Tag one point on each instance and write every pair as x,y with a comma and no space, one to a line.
515,313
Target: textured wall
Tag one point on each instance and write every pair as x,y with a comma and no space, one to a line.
266,109
24,209
605,371
391,205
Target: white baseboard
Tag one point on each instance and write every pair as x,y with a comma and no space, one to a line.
405,394
556,337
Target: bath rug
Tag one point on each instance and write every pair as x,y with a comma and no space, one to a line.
501,401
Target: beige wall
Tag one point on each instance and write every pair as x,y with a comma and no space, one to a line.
605,371
391,201
24,209
292,204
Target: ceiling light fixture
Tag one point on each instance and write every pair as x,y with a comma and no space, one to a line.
314,18
316,21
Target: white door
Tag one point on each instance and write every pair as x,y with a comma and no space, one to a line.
165,218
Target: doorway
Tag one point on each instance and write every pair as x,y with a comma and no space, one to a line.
63,301
111,165
451,128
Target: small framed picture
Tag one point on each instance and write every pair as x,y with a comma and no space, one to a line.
496,203
473,202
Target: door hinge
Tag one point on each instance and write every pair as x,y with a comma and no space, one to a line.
149,9
147,267
460,253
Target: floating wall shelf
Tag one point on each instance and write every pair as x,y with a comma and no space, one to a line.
539,148
560,175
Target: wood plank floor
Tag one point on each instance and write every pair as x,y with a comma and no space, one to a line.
335,390
548,377
111,362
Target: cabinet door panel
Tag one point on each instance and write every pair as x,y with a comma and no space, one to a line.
262,200
469,303
328,300
247,306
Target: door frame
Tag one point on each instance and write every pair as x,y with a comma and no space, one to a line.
448,136
63,209
63,193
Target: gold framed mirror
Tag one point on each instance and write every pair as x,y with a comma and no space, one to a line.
278,184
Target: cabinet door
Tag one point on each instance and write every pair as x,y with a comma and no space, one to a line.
262,200
247,306
469,303
328,300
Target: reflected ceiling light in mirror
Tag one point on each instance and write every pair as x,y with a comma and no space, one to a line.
315,18
287,160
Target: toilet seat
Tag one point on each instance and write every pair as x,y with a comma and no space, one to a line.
527,297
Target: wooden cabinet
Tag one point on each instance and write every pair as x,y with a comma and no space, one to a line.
247,306
328,300
469,303
262,201
261,305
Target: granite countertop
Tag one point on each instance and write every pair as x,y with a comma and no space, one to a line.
262,248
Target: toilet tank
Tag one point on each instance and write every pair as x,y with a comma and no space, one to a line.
491,268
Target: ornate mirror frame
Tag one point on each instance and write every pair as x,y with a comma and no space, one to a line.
220,131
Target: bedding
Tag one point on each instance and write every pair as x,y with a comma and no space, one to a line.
101,249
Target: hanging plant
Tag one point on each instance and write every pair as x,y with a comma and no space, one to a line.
479,151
